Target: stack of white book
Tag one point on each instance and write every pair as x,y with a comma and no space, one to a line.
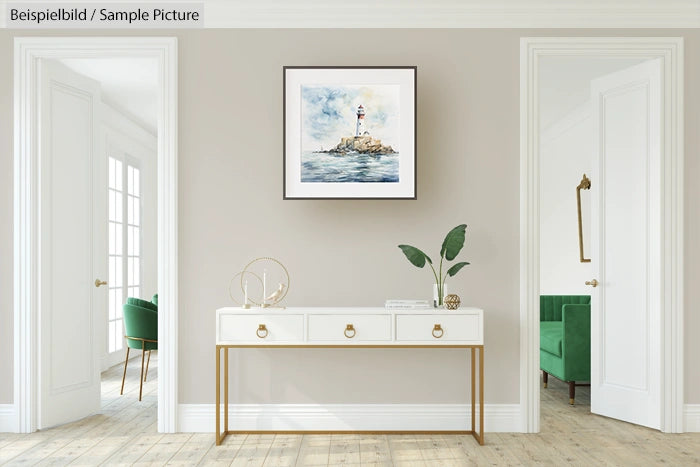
406,304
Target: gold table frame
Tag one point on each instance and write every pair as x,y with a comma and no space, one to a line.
479,436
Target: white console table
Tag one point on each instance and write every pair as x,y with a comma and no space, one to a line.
327,327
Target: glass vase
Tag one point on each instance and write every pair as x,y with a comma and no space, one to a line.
439,295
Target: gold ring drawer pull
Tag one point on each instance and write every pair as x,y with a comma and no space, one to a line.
262,331
438,329
349,328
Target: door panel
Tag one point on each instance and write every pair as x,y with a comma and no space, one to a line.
69,379
625,308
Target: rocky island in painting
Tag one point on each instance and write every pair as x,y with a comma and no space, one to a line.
360,145
352,122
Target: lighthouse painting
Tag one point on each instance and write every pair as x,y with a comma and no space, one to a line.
350,134
350,131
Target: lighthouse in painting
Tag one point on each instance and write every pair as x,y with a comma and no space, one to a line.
361,142
360,126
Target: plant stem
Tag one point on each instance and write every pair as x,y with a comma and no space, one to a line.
440,283
443,280
434,274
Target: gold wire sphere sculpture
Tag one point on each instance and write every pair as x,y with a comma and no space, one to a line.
262,299
452,301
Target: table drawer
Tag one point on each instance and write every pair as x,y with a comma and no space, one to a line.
349,328
261,328
439,328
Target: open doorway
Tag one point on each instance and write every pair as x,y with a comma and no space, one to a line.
632,200
96,221
568,97
127,114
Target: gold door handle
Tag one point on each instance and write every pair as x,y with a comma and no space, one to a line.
584,185
261,328
592,283
99,282
349,328
439,329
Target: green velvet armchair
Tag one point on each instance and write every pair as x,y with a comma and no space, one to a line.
565,339
141,326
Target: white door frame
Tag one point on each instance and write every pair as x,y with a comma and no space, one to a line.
670,51
27,52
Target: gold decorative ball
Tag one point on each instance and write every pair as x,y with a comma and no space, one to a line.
452,301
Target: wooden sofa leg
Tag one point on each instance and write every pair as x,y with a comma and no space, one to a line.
572,392
545,378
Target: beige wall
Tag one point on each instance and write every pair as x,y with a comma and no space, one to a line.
344,252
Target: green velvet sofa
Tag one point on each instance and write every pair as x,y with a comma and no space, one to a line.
565,339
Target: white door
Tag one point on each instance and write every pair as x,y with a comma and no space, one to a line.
72,236
626,245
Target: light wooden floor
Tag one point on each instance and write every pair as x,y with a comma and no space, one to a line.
125,433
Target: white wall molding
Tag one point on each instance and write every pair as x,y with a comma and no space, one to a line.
691,417
355,417
27,52
670,51
8,418
446,14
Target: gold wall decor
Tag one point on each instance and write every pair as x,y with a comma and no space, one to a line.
239,285
258,274
584,185
452,301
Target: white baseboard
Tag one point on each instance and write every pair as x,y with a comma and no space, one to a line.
350,417
8,421
691,415
359,417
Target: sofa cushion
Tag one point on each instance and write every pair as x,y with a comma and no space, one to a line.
551,305
141,303
550,337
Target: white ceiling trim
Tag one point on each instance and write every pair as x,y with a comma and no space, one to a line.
444,13
451,14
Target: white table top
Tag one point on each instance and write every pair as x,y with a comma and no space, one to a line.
347,310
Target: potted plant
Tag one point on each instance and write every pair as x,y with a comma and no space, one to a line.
451,246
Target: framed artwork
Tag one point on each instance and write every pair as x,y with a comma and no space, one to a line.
350,132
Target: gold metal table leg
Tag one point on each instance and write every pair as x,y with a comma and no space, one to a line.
481,395
473,393
218,395
225,391
479,436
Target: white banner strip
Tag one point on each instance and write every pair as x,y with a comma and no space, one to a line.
57,15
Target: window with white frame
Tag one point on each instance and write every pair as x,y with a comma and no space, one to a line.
124,243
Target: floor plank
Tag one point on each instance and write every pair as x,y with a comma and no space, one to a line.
125,433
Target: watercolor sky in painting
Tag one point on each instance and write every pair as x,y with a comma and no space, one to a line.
328,113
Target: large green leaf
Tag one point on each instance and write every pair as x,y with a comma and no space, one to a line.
453,243
455,268
415,256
